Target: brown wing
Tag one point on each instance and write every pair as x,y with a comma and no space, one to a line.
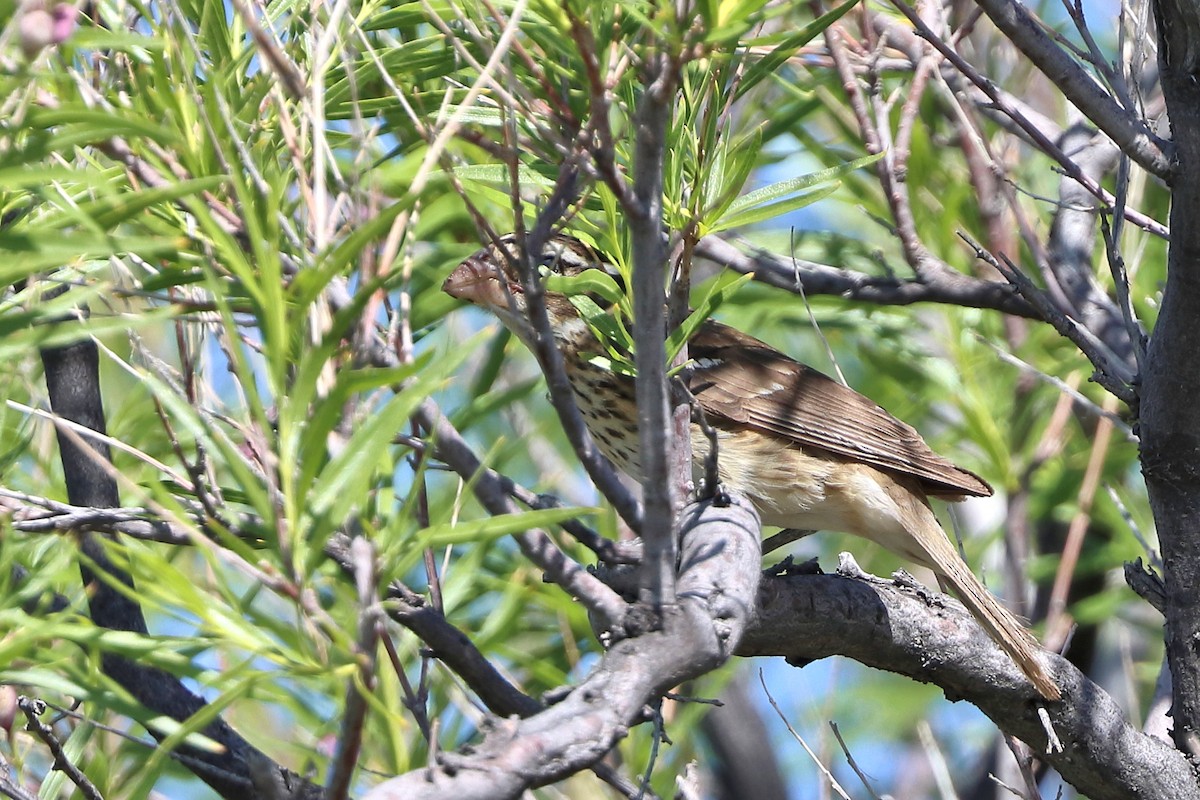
747,382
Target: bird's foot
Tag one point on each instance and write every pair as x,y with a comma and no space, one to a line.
716,492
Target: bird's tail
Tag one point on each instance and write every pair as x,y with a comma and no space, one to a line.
1004,628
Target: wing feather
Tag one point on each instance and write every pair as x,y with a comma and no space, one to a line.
747,382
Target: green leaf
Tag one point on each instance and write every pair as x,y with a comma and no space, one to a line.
789,47
95,38
527,177
760,213
305,426
25,253
731,171
784,196
732,19
343,482
722,289
592,281
609,330
100,125
486,404
499,525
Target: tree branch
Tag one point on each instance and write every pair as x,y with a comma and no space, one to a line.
238,769
716,585
934,639
953,288
535,544
1170,415
1043,144
1122,125
659,435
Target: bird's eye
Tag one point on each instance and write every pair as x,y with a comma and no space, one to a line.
549,260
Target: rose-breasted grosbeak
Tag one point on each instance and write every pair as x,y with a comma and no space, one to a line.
809,452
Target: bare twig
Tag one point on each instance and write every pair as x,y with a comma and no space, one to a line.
1111,373
34,709
1078,528
853,764
362,681
720,562
1039,138
1125,128
535,544
9,788
824,770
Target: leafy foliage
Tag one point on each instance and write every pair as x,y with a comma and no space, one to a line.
243,209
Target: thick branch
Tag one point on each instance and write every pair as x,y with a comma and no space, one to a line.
717,583
456,650
934,639
1124,127
238,770
658,436
1170,415
1073,240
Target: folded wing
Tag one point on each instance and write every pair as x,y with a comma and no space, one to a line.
745,381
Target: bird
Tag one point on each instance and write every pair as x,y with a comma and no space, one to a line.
808,452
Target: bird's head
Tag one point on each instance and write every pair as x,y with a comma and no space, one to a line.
490,278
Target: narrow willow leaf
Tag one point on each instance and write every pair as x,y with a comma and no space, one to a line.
304,426
722,289
527,177
592,281
609,330
96,38
17,342
236,684
734,17
761,213
740,161
781,189
108,212
788,48
102,124
26,253
344,482
500,525
771,201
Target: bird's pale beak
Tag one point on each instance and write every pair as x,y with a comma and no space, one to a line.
477,280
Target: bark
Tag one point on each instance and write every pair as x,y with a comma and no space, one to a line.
932,638
717,582
1170,416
